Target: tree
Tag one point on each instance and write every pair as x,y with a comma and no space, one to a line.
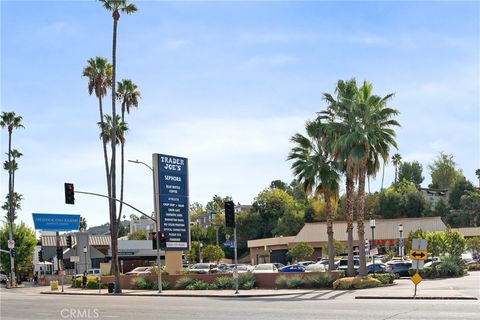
279,184
272,204
436,243
10,121
470,207
138,235
128,94
300,251
315,167
339,248
414,234
25,243
455,243
16,203
443,171
212,253
115,6
458,189
83,223
411,171
396,160
477,172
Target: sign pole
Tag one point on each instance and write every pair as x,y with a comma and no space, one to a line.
235,255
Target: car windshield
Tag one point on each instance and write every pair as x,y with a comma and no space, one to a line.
264,267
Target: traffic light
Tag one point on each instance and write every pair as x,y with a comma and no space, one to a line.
59,253
69,193
14,252
154,240
162,239
229,214
69,241
40,255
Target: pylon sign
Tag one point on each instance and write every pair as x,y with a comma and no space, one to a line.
171,199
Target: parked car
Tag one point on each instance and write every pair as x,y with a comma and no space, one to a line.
140,271
293,268
306,263
317,267
399,269
278,265
203,268
376,268
265,268
91,273
343,265
241,268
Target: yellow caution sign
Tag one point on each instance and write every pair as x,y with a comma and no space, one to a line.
418,254
416,279
53,285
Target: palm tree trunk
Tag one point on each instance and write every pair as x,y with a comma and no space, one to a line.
349,216
360,217
105,153
113,205
10,206
331,248
122,170
383,175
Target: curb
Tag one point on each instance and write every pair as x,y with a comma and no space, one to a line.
414,298
172,295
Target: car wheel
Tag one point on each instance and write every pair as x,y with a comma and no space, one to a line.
397,275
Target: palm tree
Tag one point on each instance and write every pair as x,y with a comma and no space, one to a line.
17,199
127,92
396,160
106,129
315,167
10,121
115,6
374,135
12,166
83,223
339,116
99,73
477,172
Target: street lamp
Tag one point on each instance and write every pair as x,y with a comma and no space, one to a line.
400,247
372,226
85,252
157,222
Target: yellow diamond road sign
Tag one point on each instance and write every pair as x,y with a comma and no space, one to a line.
418,254
416,279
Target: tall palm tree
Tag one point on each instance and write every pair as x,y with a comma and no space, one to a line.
12,166
115,6
315,167
99,73
10,121
128,94
106,129
396,160
374,135
339,116
17,199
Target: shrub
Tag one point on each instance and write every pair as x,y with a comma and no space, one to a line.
223,283
183,283
246,281
197,285
285,281
474,267
165,285
388,256
323,280
94,285
384,278
448,267
140,283
355,283
164,271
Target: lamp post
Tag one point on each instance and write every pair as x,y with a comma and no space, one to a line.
85,252
400,247
157,222
372,226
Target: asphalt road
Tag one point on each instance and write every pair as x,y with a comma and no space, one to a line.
23,304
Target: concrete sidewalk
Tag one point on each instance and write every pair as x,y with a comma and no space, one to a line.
183,293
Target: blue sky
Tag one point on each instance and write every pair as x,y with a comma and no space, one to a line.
226,84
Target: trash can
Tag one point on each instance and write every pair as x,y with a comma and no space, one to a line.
111,287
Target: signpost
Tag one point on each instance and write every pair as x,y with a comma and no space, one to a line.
418,254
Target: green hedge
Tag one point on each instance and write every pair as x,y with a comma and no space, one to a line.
323,280
289,282
198,285
356,283
384,278
448,267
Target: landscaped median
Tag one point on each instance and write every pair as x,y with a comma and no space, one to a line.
225,281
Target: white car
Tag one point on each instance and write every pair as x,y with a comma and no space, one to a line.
315,267
140,270
265,268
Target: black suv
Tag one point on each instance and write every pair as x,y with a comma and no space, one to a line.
399,269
